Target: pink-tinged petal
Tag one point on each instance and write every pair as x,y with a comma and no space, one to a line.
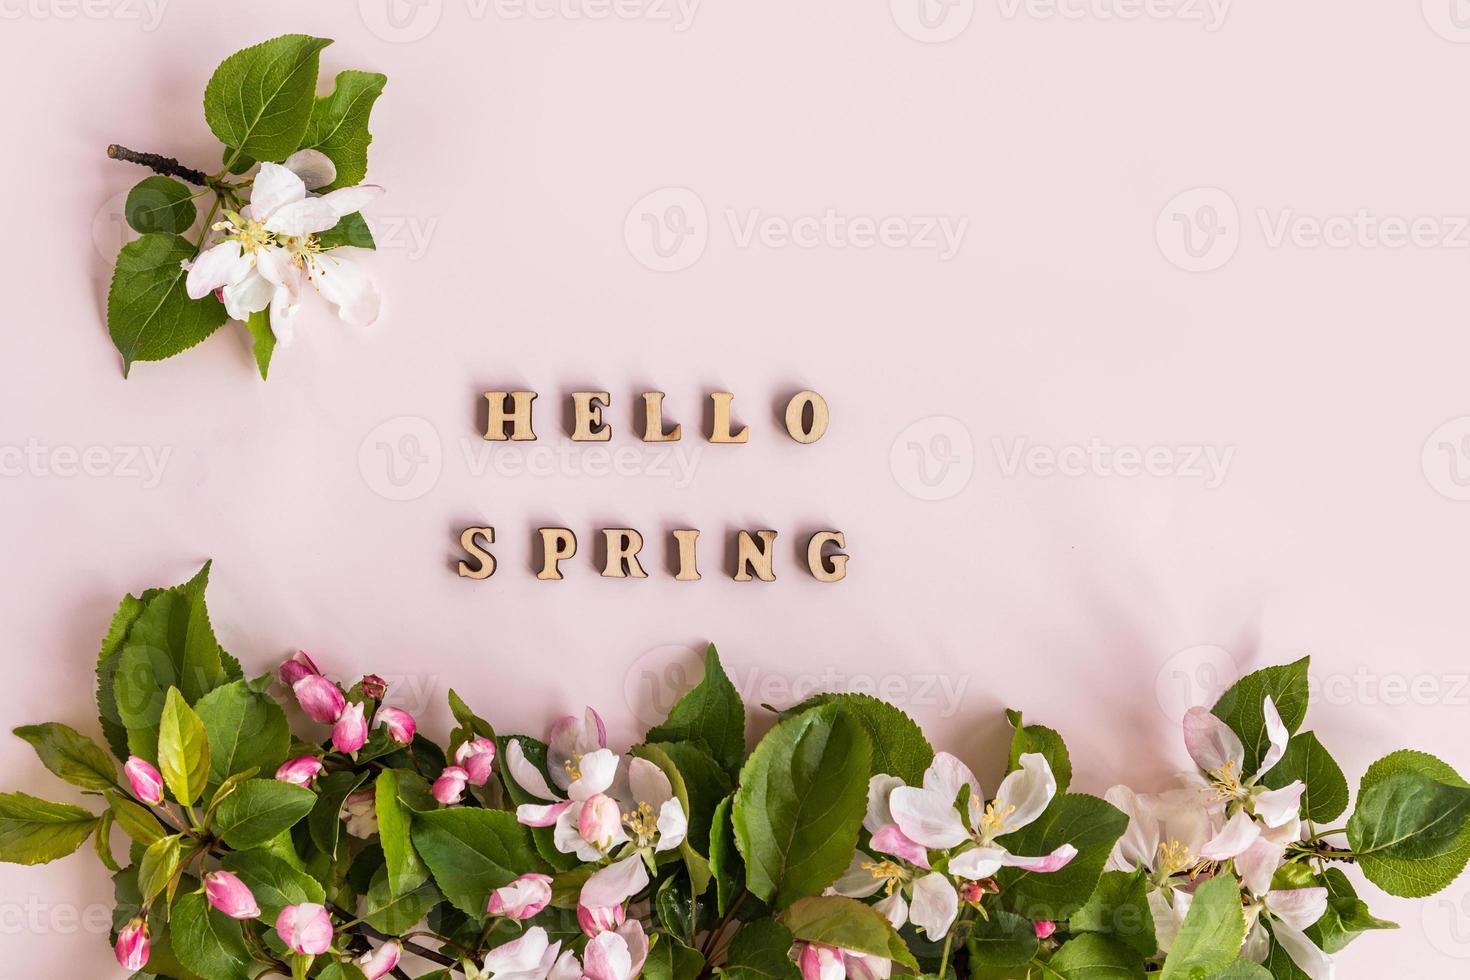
314,167
274,187
1055,861
615,884
978,863
348,288
947,774
637,942
217,266
540,816
1257,864
935,905
893,908
1307,955
1279,807
595,921
448,789
522,898
891,840
1140,842
567,967
399,723
594,731
647,783
477,756
520,955
300,771
1212,745
878,814
227,893
1045,929
350,200
1029,790
301,218
350,732
597,771
820,962
322,700
297,667
1234,839
380,962
862,966
305,928
1298,908
928,817
524,774
144,780
133,944
1278,735
607,958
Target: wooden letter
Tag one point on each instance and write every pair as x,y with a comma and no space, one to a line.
831,568
518,413
796,417
757,558
688,569
623,545
588,426
653,420
484,561
720,430
557,543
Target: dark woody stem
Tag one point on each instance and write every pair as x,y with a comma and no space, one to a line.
159,164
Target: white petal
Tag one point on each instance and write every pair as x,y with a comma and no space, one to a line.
275,186
615,884
350,200
607,958
1140,842
862,966
526,776
301,218
1211,743
857,881
518,955
935,905
219,265
1277,733
314,167
569,840
946,774
1304,953
567,967
1257,946
1238,834
928,817
878,789
978,863
597,769
893,908
1299,908
1278,807
348,288
250,295
1046,864
1029,789
672,825
647,782
1168,918
1257,865
532,815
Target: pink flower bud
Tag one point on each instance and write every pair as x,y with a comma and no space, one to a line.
305,929
146,782
400,724
374,687
598,920
320,698
381,961
970,891
296,668
476,757
299,771
1044,929
522,898
132,945
819,962
449,787
351,731
599,820
230,895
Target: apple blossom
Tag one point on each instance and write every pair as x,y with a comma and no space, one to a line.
400,724
476,757
145,781
350,733
305,928
380,962
133,945
529,957
448,789
300,771
230,895
522,898
595,920
615,954
300,665
321,699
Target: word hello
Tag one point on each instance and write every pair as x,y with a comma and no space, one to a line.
509,418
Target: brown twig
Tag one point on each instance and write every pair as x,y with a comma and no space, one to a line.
159,164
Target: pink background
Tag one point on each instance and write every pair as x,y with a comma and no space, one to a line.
519,154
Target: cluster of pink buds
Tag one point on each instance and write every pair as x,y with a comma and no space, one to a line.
325,704
472,764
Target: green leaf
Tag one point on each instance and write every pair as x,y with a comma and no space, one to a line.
405,872
1089,824
1094,957
711,714
1210,938
1040,739
760,951
260,100
1002,940
1409,829
698,866
208,941
259,809
397,913
899,746
158,865
706,784
247,730
1347,916
339,124
802,798
273,880
471,852
1119,908
1242,707
848,924
160,204
1243,970
102,841
351,232
71,755
325,822
1326,795
264,346
670,959
135,820
342,971
543,836
123,619
149,314
183,749
35,831
724,857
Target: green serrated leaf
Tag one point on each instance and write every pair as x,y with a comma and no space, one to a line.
207,941
260,100
761,951
158,865
325,822
1002,940
899,746
1242,707
135,820
471,852
1089,824
160,204
260,809
1119,908
1038,738
848,924
71,755
273,880
711,715
350,232
339,124
670,959
1347,916
1326,795
246,731
149,314
1411,827
1210,937
264,338
1095,957
183,749
36,831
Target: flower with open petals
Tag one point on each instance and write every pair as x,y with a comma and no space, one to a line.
529,957
476,757
522,898
616,954
305,929
1290,913
380,962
